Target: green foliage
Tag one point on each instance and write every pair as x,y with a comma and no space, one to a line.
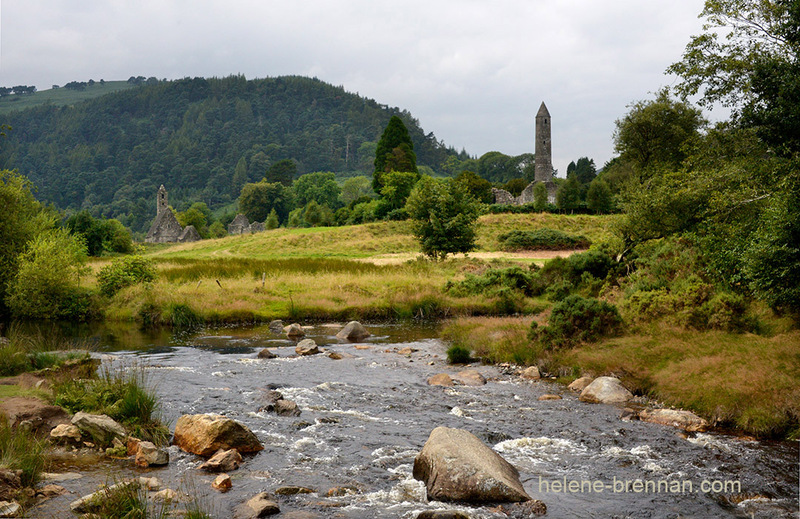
272,220
541,239
492,282
479,188
124,272
653,133
457,354
100,235
444,217
217,229
515,186
577,319
47,282
320,187
568,197
354,188
397,186
23,452
395,149
539,196
599,198
283,171
21,219
182,317
259,199
24,352
500,168
198,215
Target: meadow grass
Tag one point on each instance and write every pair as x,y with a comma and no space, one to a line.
22,452
125,395
25,352
744,381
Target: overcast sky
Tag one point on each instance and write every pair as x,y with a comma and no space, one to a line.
474,72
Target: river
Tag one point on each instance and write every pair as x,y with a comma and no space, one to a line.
365,417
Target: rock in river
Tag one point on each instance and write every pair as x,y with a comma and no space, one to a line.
101,428
605,390
456,466
223,461
306,347
685,420
353,331
205,434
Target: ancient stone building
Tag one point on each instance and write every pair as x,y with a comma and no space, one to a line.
239,225
543,166
165,227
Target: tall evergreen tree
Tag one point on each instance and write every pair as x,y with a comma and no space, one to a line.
394,149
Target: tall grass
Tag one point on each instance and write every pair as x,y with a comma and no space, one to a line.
126,396
24,352
494,339
22,452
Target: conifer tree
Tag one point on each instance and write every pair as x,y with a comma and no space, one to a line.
395,148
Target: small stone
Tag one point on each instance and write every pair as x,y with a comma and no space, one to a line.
285,407
222,483
470,377
276,326
442,379
353,331
266,354
148,454
133,445
407,351
686,420
223,461
531,373
293,491
306,347
9,508
150,483
294,330
341,491
524,510
442,514
258,506
166,495
580,384
65,434
549,397
628,414
335,356
362,347
49,491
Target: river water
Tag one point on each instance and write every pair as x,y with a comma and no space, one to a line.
365,417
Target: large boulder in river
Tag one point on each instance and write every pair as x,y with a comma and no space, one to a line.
353,331
456,466
605,390
259,505
294,330
470,377
685,420
580,384
101,428
205,434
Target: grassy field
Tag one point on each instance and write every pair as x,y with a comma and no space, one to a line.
367,271
60,96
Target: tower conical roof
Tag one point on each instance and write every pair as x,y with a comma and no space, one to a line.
543,111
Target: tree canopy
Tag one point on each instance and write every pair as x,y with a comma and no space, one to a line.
394,152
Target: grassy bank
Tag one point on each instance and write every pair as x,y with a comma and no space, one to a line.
744,381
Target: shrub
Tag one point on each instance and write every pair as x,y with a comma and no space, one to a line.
578,319
182,316
457,354
596,263
124,272
46,286
541,239
492,281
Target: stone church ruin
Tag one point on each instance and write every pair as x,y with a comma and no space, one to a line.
165,228
543,166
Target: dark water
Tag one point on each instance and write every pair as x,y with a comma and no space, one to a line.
366,416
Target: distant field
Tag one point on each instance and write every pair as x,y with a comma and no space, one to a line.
60,96
380,239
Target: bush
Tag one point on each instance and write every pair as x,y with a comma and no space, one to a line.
541,239
182,316
457,354
577,319
492,282
46,286
125,272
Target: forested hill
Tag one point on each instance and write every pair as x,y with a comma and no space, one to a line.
110,154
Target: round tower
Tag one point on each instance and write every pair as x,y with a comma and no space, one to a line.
543,170
161,200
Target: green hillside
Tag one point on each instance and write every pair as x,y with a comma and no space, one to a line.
110,153
60,96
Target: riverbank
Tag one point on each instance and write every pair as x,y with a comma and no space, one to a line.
746,382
